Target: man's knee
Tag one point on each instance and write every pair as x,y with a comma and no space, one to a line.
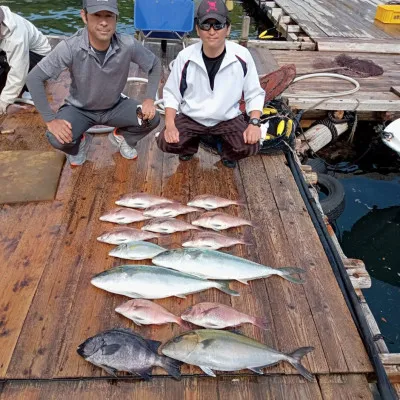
246,150
58,145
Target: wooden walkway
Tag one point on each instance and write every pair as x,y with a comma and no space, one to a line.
49,252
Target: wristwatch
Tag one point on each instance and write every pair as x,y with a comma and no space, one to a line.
255,121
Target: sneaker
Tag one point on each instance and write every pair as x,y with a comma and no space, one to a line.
186,157
126,151
26,96
229,163
84,145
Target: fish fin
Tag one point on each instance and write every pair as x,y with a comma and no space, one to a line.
109,370
207,370
172,367
286,272
257,370
145,374
295,359
132,295
183,323
136,322
153,344
224,287
260,322
110,349
243,281
181,296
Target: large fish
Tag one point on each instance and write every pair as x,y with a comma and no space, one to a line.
125,235
219,221
210,202
219,316
146,312
141,200
168,210
212,240
123,216
149,282
211,350
213,264
123,350
139,250
168,225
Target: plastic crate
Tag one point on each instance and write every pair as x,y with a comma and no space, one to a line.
388,14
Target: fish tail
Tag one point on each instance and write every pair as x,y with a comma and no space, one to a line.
183,323
260,322
224,287
286,272
172,367
240,203
295,360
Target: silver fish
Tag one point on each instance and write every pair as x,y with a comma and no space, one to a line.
139,250
210,202
167,225
168,210
219,221
125,235
141,200
212,240
219,316
213,264
123,350
211,350
149,282
146,312
123,216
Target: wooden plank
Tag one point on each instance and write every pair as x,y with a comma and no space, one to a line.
280,45
358,45
338,387
391,363
358,273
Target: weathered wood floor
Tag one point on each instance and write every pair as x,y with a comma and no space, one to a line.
49,252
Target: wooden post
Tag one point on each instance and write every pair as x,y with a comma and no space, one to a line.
245,31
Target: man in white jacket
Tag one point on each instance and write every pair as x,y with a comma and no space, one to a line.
205,86
22,46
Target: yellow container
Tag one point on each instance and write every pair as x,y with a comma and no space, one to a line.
388,14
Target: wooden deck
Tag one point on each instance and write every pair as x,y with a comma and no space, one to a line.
49,252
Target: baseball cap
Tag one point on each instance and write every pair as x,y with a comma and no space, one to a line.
212,9
94,6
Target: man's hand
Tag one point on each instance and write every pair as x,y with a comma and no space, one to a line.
3,107
61,129
252,134
148,109
171,134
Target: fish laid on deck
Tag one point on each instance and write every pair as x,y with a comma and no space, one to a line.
219,316
211,350
139,250
219,221
149,282
123,350
168,225
212,240
123,216
213,264
125,235
141,200
210,202
146,312
168,210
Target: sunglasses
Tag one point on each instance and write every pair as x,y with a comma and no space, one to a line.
207,26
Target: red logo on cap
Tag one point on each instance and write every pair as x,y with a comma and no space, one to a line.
212,6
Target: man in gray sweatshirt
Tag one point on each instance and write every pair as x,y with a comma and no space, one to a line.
98,60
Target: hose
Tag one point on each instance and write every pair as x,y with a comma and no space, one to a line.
318,95
384,386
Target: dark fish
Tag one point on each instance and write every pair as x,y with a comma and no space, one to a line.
123,350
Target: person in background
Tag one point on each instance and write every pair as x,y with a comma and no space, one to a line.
98,59
22,46
205,85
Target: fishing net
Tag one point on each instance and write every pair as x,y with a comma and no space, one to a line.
349,66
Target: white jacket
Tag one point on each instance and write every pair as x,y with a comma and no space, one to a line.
17,38
209,107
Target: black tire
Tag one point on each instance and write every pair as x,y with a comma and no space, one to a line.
317,165
333,204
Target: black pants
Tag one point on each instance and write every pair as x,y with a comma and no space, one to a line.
5,68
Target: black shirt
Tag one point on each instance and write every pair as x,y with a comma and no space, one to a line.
213,65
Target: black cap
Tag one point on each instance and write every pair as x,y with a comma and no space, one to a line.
209,9
94,6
